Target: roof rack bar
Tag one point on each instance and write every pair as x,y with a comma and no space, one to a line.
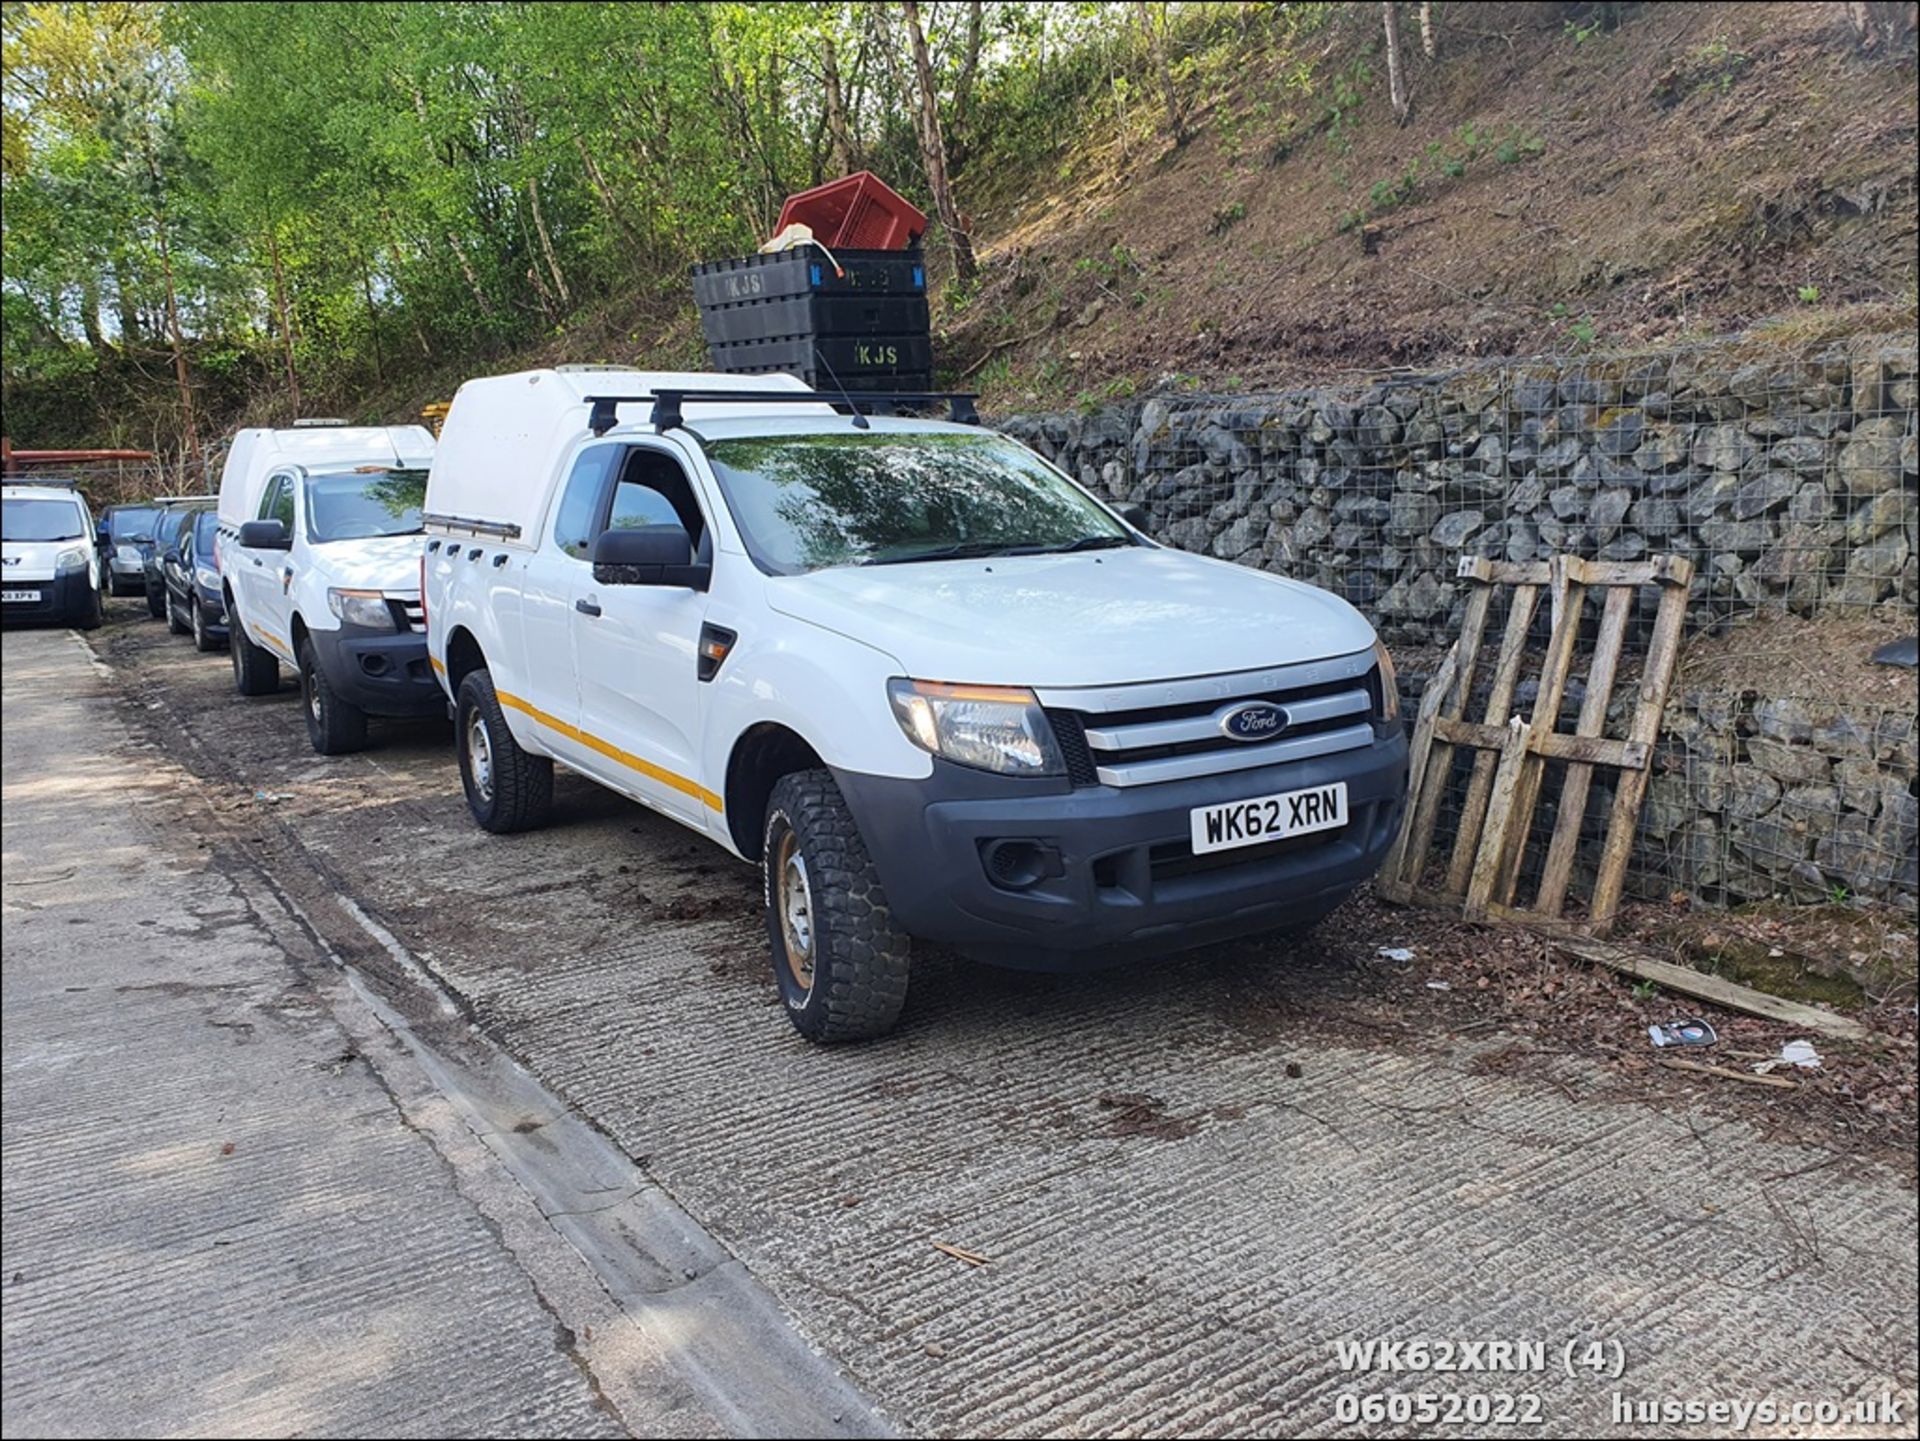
668,403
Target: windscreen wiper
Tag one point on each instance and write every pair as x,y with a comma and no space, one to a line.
964,550
980,548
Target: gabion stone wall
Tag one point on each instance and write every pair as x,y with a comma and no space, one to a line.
1789,479
1754,797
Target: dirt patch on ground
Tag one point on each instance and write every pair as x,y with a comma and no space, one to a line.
1863,1094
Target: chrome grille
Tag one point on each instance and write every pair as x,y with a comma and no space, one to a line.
1166,731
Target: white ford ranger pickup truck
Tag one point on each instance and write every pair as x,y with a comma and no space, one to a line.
931,686
319,553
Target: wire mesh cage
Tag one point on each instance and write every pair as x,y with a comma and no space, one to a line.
1786,475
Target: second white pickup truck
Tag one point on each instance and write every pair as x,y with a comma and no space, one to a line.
929,684
319,560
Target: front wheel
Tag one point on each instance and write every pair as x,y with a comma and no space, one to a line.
508,789
203,640
838,957
175,625
334,726
256,670
92,613
156,603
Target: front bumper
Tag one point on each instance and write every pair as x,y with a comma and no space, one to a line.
380,672
1126,881
213,610
64,599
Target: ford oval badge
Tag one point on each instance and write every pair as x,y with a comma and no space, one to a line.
1254,720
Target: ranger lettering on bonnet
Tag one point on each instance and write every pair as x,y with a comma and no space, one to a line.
929,685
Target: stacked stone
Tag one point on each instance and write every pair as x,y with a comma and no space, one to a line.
1789,481
1756,797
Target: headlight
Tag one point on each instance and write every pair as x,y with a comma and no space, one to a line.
1389,682
992,728
207,576
74,557
128,553
364,608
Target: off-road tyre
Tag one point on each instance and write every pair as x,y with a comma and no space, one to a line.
856,981
335,726
256,671
508,789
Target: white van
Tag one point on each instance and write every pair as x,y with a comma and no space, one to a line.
933,687
50,565
319,557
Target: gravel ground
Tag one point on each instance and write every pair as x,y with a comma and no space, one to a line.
1189,1179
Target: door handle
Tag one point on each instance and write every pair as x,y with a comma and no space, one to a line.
587,607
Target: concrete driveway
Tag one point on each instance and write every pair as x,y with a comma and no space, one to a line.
1194,1185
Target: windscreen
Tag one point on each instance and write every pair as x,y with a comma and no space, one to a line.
29,518
206,527
806,502
356,504
131,522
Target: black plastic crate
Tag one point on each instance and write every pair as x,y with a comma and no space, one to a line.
751,278
854,314
782,312
818,360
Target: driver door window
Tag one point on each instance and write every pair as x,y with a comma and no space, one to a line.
654,490
277,503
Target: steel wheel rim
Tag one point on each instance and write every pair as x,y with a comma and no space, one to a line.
198,635
480,757
793,894
314,703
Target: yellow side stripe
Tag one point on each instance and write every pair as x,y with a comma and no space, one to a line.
273,642
612,752
437,664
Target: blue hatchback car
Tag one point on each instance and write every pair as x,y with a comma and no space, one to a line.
191,574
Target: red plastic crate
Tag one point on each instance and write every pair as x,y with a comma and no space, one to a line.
861,212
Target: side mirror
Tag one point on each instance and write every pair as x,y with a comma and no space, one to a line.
648,555
1135,516
265,535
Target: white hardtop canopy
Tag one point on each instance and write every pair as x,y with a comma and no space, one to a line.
256,454
505,436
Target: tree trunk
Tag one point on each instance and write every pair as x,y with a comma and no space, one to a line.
1396,64
933,149
189,430
286,321
969,67
839,137
1163,68
598,180
129,308
373,323
1429,42
473,281
90,314
546,243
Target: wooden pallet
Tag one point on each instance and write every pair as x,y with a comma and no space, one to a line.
1511,752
